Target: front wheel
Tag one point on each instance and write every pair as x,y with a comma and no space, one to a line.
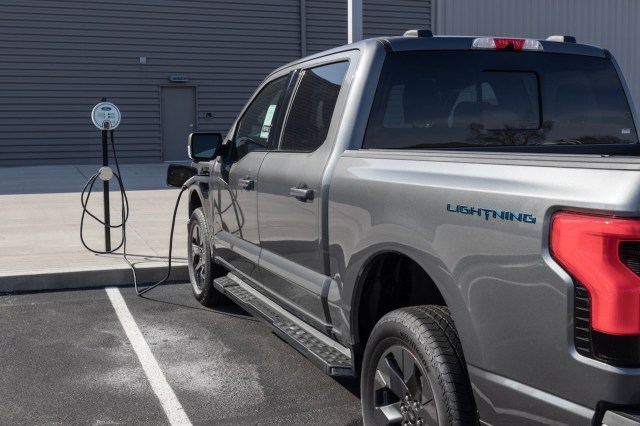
414,373
202,270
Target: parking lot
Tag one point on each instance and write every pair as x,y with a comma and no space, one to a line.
66,359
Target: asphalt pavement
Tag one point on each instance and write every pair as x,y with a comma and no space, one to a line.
67,360
72,355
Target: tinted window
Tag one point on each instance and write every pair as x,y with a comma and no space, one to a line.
255,125
312,108
473,98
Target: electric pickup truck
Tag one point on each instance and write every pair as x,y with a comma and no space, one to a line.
455,220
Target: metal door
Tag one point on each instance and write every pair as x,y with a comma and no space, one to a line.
235,200
235,206
178,120
293,265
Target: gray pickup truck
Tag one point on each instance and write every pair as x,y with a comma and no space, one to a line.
454,219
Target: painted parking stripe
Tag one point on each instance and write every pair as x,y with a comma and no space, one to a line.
174,411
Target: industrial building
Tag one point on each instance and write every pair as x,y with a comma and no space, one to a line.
177,66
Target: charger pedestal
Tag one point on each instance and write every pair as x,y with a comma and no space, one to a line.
106,116
105,193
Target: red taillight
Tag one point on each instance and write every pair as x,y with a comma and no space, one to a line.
588,248
509,43
504,43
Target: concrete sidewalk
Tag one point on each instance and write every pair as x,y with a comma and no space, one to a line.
40,213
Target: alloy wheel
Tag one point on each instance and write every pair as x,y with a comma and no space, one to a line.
402,392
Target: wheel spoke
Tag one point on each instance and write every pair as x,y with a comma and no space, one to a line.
196,250
427,392
399,354
196,235
428,411
429,414
396,378
412,378
380,380
388,414
200,278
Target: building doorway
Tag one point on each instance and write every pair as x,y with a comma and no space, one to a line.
178,120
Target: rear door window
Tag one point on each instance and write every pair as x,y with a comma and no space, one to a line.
310,115
473,99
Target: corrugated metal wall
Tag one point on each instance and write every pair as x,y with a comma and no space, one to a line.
326,20
612,24
60,57
392,18
326,23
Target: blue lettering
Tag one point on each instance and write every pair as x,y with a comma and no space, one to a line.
494,214
517,217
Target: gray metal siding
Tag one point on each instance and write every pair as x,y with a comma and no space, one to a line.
326,22
392,18
612,24
59,58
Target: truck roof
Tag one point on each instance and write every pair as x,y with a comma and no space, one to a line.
423,40
406,43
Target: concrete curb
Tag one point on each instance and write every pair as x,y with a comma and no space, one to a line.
90,278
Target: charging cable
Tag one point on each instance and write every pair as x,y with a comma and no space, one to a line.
86,194
84,198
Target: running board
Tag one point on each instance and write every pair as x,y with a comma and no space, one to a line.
329,356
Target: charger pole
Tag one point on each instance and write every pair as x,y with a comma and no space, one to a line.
106,116
105,186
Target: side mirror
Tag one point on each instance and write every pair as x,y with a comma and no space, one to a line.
204,146
178,174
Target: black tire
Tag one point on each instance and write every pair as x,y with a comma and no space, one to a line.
414,373
202,270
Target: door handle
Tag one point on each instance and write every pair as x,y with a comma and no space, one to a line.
302,193
247,183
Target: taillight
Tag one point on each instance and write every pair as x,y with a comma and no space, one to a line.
593,250
503,43
603,256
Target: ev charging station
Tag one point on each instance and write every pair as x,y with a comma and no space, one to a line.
106,117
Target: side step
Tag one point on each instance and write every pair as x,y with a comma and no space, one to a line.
328,355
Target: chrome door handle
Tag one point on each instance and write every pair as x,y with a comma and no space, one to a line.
246,183
302,194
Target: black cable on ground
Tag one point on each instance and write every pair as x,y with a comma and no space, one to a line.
88,187
173,224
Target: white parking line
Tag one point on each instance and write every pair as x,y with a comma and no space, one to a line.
174,411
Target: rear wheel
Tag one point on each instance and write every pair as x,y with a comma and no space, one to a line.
202,270
413,371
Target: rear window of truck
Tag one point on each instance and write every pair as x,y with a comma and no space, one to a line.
498,99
